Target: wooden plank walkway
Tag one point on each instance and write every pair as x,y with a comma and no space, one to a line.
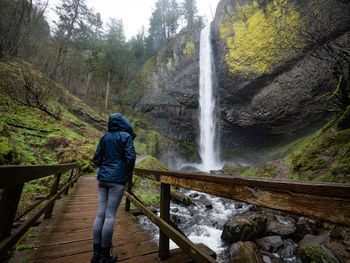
67,237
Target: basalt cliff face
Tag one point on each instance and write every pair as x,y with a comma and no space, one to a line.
268,80
166,88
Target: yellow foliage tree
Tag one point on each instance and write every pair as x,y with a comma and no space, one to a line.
262,37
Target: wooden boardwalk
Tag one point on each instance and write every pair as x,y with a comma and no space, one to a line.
67,237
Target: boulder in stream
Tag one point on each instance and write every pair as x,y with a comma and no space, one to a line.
312,249
306,226
281,226
245,227
244,252
270,244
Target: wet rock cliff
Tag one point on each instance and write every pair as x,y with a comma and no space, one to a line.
269,80
166,88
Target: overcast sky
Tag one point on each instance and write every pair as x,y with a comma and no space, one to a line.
134,13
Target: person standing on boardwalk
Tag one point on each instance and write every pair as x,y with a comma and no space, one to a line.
115,157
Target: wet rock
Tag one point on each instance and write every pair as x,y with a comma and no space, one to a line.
194,195
281,226
337,232
216,172
245,227
306,226
175,210
288,251
244,252
311,249
232,168
329,253
179,197
176,219
271,243
255,208
239,206
311,239
209,206
215,224
190,169
266,259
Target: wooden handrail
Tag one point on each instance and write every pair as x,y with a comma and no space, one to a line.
7,243
315,188
11,175
12,179
321,201
329,202
182,241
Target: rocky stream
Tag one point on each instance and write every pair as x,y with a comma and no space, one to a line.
239,232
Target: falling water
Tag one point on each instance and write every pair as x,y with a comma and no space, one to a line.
207,149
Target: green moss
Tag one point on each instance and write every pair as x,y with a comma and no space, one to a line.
148,190
138,85
261,38
323,156
189,50
152,163
248,171
344,121
314,254
188,150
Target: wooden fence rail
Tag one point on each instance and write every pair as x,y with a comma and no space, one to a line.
327,202
12,179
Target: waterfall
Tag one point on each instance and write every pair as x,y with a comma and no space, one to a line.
207,149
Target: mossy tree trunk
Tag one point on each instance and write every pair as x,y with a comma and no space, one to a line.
107,90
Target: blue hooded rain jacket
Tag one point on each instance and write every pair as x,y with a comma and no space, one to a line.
115,155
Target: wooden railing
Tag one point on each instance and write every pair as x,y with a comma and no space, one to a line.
12,179
326,202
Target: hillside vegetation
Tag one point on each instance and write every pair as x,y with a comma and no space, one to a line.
67,133
29,135
321,156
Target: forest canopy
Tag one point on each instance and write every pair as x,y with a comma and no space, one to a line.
92,59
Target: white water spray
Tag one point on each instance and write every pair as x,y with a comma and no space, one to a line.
207,149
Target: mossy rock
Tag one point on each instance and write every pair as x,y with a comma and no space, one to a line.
8,153
313,253
344,121
152,163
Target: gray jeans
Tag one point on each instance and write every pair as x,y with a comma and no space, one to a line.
109,197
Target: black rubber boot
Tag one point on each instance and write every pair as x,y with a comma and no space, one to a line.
106,257
97,253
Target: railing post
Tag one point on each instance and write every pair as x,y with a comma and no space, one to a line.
8,207
70,178
53,191
129,190
165,215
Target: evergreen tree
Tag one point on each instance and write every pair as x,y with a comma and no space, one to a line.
164,22
190,13
70,13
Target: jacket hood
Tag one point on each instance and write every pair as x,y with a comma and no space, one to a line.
117,122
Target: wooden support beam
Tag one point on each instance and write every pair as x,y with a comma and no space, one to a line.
70,178
53,191
183,242
8,207
321,201
129,190
165,215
